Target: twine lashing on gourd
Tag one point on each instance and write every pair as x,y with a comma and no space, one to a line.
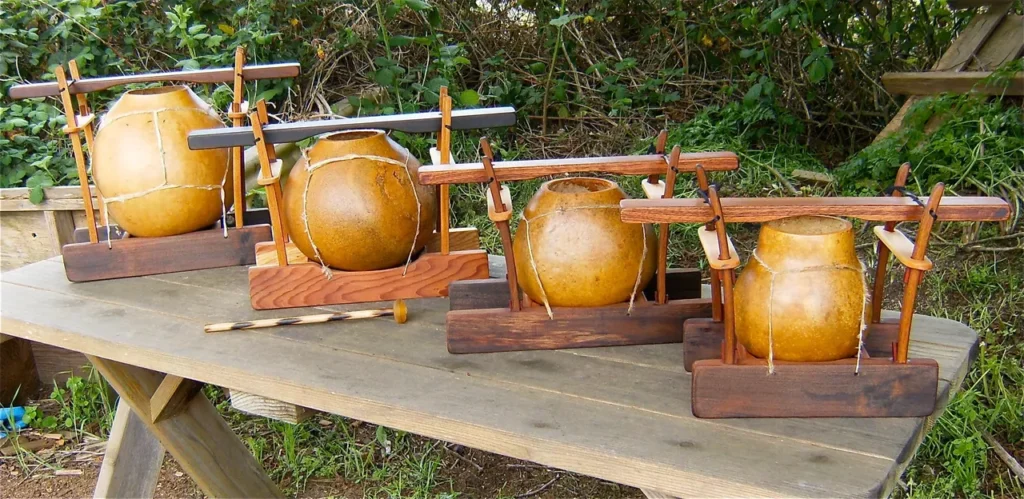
312,167
819,268
533,261
165,185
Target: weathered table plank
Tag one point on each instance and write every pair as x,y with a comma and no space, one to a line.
621,414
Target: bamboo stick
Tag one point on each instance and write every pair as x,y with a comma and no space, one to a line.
398,311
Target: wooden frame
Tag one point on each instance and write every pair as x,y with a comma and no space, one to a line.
283,277
85,258
729,382
490,315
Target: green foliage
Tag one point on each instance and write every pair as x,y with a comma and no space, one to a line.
85,404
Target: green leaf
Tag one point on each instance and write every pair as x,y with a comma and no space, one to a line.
35,196
752,95
418,5
564,19
384,76
538,68
469,97
400,41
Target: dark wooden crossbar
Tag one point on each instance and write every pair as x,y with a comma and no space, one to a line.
430,122
648,164
219,75
757,210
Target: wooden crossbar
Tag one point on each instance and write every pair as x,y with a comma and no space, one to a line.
648,164
219,75
757,210
429,122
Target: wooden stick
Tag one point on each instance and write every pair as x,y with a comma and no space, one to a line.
663,229
237,153
503,226
924,232
445,143
72,130
398,311
220,75
728,314
83,110
760,210
647,164
883,252
659,148
275,202
716,277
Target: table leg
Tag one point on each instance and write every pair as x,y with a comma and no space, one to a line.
198,438
654,494
131,466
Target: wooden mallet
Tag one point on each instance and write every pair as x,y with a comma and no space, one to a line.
398,311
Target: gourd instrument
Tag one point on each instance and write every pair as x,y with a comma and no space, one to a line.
882,381
491,315
284,277
121,255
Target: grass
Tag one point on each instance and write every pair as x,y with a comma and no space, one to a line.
984,289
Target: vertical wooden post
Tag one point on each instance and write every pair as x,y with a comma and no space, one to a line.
659,148
924,231
131,464
83,110
503,226
72,130
716,277
237,153
444,144
275,202
663,229
878,293
728,314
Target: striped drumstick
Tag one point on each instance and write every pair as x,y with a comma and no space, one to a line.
399,312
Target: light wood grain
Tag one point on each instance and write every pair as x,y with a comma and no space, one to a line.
197,437
268,408
131,464
306,285
759,210
1005,44
935,82
630,420
902,248
648,164
172,396
709,242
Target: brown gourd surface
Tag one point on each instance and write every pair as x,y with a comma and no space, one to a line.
360,210
153,183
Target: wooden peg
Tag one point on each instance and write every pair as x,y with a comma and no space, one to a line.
444,143
728,312
275,201
659,148
237,153
663,229
87,129
72,130
494,187
883,251
716,278
924,232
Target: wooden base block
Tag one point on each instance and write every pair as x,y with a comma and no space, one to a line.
268,408
305,285
502,330
814,389
139,256
459,239
680,284
702,340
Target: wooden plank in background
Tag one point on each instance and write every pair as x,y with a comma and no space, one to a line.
934,82
54,198
1005,45
18,379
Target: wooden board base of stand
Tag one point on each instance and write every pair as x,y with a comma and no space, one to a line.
471,328
814,389
305,285
702,340
140,256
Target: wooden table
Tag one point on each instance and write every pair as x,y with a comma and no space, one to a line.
621,414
